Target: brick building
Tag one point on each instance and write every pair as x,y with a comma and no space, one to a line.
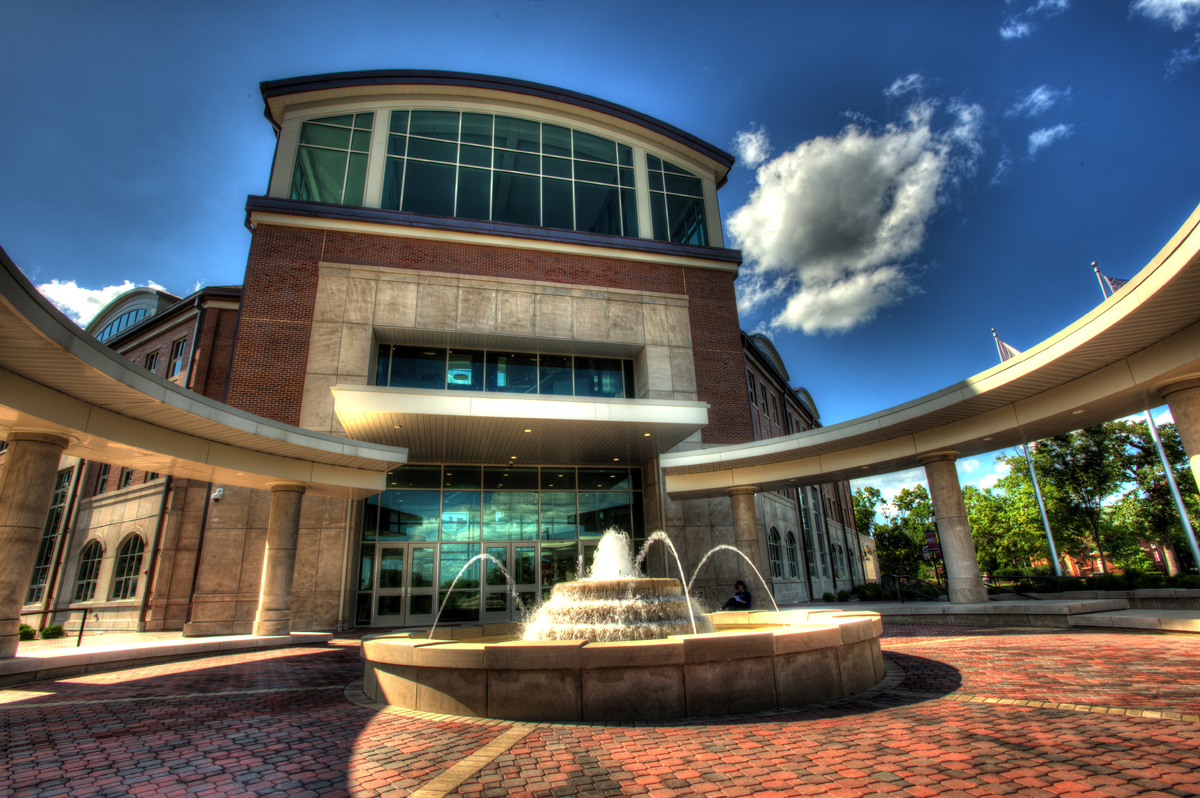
528,289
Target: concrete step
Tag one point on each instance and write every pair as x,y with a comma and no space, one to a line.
1157,620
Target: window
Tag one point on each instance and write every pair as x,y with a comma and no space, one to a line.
176,365
89,569
331,161
762,390
793,556
750,385
126,478
839,561
151,476
152,362
102,479
775,554
129,564
676,204
122,322
480,166
45,553
503,372
774,410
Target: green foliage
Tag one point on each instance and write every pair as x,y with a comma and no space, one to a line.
26,632
869,591
827,596
899,540
866,504
52,632
843,595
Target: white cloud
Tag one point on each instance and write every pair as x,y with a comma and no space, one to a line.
1176,13
1164,417
1002,167
833,223
909,83
1046,136
1184,56
1012,29
988,481
82,304
1018,25
890,485
1038,101
752,146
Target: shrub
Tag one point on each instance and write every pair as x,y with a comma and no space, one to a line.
828,597
843,595
26,632
52,632
871,591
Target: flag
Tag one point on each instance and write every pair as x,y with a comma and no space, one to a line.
1114,283
1004,349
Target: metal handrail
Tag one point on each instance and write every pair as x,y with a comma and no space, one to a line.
989,582
905,577
82,624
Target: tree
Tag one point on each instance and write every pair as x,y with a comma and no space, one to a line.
898,541
866,503
1148,508
1086,468
1006,524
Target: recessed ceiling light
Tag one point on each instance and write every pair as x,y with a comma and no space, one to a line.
865,468
529,430
395,426
987,439
241,473
512,457
1076,412
645,434
616,459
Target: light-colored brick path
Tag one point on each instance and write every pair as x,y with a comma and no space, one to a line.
976,712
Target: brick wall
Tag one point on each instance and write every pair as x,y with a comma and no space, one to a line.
212,355
161,343
280,292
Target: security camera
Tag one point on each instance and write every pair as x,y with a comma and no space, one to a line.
217,494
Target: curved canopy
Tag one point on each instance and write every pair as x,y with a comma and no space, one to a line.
56,378
1108,364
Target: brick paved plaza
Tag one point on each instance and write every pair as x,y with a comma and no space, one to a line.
965,711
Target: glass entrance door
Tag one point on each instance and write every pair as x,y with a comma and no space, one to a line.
520,560
404,585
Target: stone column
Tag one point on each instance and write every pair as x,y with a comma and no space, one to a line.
274,616
745,528
26,487
1184,400
958,549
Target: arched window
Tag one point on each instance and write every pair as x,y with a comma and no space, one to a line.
89,569
129,564
793,557
776,555
839,568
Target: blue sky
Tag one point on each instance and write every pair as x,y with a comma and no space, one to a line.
934,168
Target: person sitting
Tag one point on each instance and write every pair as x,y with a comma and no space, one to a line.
740,600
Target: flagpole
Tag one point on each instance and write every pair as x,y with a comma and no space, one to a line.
1103,287
1162,455
1179,507
1037,489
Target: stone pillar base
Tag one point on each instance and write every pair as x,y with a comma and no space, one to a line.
967,591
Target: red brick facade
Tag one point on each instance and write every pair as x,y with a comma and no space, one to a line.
280,295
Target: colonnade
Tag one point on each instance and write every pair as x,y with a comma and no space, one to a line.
26,488
31,464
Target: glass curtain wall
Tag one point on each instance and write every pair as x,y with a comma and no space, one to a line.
331,161
504,169
676,204
560,510
503,372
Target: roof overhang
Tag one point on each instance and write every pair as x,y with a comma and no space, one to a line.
1108,364
471,427
55,378
279,94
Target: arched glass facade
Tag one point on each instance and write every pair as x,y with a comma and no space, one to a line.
775,555
128,565
89,571
493,167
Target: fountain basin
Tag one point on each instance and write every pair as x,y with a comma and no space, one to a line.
754,661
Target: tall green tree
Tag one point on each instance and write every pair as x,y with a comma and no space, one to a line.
1147,507
899,540
866,504
1086,469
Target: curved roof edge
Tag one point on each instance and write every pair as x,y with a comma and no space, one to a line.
391,77
115,302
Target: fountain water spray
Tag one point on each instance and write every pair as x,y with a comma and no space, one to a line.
512,588
687,589
727,547
613,602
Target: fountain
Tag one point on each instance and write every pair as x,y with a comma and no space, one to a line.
614,603
618,646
